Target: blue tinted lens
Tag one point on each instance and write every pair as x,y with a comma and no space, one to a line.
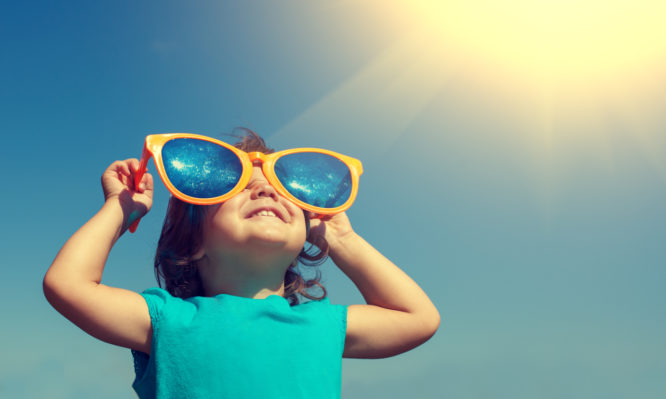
199,168
317,179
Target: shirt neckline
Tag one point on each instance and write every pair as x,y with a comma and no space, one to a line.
269,297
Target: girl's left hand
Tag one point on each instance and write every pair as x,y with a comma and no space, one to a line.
332,227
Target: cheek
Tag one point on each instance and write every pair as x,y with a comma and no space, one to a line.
221,226
303,226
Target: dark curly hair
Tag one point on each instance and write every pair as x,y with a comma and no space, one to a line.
182,237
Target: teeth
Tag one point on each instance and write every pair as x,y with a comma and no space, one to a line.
266,213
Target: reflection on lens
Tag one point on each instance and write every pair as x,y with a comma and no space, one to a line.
317,179
199,168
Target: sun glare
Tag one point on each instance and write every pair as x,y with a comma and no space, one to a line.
563,76
564,71
560,44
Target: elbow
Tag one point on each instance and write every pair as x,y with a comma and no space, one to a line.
431,321
49,279
46,284
434,322
437,320
429,324
428,327
431,317
53,288
48,288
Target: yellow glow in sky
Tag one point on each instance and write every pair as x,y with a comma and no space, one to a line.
553,64
561,46
557,68
568,80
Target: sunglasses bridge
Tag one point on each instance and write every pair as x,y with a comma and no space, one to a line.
256,156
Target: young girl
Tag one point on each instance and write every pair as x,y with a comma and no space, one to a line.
229,323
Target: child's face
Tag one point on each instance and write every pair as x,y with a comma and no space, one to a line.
235,225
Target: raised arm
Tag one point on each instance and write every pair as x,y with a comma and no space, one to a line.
398,316
72,284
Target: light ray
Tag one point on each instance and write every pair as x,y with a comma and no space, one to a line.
557,74
374,107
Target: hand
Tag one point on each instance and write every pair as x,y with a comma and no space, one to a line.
332,227
118,182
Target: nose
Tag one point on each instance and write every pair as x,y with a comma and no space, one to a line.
259,186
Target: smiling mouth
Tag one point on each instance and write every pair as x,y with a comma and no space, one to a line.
277,219
266,215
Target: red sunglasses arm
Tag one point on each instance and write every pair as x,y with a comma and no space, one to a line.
143,164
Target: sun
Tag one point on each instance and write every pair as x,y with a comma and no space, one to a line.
560,54
560,73
565,72
553,45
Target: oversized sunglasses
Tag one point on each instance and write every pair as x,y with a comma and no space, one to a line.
202,170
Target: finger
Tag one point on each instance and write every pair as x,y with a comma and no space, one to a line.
150,184
133,164
123,175
136,165
147,179
119,167
130,166
146,182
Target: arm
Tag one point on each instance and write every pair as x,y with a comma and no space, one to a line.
82,258
398,316
72,284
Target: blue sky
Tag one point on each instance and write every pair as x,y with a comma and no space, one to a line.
534,222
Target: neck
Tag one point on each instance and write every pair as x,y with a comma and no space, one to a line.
253,276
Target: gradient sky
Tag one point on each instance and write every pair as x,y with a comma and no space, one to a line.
514,166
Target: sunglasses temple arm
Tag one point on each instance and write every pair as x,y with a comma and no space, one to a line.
143,164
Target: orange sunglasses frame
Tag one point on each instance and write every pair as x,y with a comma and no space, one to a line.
153,147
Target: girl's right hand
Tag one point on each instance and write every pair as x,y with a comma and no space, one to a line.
118,181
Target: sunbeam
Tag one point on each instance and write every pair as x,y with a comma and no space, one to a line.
372,109
562,76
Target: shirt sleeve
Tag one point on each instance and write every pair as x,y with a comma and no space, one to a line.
156,298
338,314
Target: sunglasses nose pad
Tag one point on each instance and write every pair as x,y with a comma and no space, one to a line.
257,158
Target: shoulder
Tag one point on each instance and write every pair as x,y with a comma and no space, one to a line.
333,312
161,302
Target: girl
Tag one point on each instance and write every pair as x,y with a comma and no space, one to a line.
229,323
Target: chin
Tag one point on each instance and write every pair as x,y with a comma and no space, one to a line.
275,242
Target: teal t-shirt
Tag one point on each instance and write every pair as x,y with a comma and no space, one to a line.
228,346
